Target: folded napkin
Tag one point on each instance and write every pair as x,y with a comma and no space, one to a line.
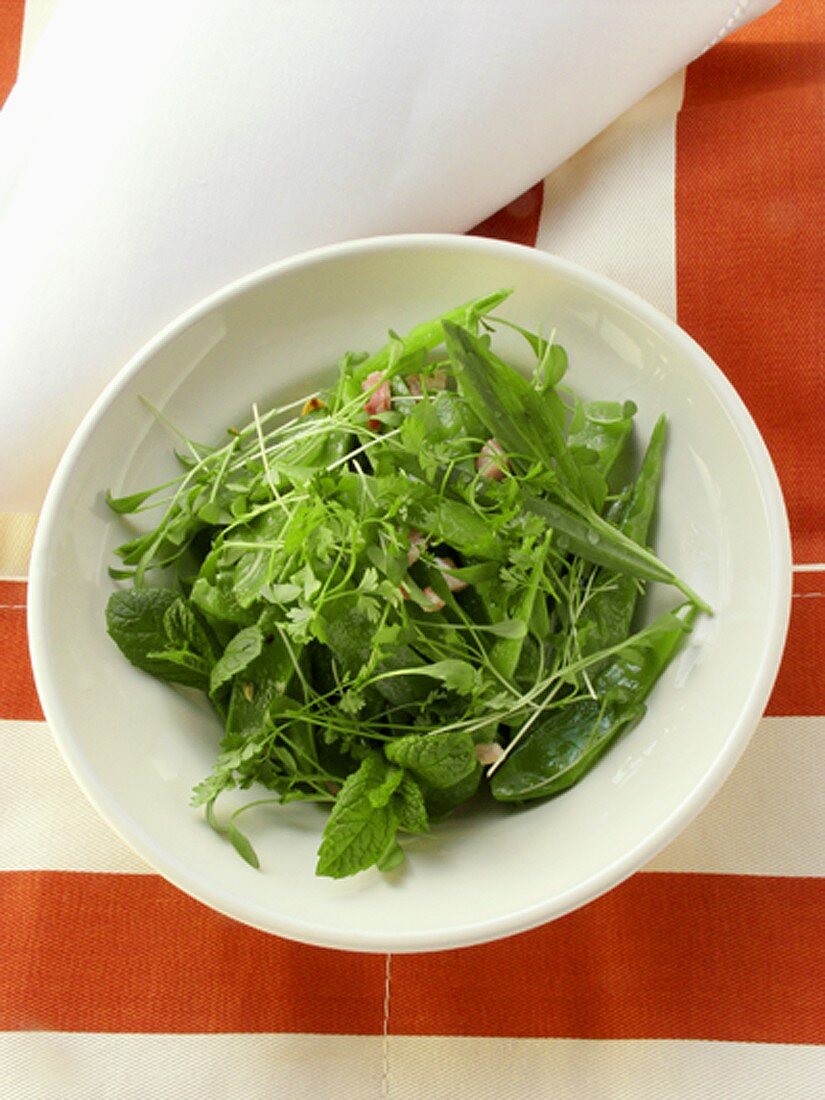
153,151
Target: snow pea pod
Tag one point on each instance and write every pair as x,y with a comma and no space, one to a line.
608,614
566,743
597,541
429,334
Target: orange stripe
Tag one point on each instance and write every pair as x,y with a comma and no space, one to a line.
11,29
800,686
664,956
124,953
723,957
18,695
750,227
518,221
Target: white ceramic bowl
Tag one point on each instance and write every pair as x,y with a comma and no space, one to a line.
136,747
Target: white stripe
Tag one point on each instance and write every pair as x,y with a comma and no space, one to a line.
46,821
75,1066
16,535
769,818
611,206
589,1069
86,1066
36,15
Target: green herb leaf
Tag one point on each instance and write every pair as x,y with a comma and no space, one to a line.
458,675
136,621
242,845
238,655
358,833
439,759
412,809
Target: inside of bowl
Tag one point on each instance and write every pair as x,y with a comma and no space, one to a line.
138,747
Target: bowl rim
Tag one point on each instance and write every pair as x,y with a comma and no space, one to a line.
520,919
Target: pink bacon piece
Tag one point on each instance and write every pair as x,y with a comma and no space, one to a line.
434,601
417,541
435,381
455,584
492,462
380,400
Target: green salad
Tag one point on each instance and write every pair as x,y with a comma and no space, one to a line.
417,581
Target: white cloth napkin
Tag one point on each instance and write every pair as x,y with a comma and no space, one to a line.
154,150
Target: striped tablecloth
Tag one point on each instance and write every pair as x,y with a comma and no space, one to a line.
703,976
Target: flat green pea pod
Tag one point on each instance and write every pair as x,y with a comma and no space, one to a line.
426,336
607,616
566,744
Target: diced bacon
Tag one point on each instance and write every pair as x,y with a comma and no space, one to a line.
380,400
455,584
492,462
416,541
435,381
488,752
435,603
312,404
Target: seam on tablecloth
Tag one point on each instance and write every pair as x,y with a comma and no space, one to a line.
12,607
729,24
807,595
385,1032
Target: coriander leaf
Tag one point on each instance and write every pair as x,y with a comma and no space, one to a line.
357,833
238,655
205,792
458,675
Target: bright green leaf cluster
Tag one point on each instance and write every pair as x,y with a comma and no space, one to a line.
424,569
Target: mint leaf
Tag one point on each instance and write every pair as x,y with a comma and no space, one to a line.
238,655
186,630
136,621
380,796
358,833
393,857
439,759
412,810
